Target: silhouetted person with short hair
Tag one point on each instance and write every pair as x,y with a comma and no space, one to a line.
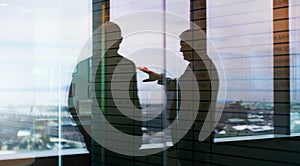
109,38
201,72
114,69
117,65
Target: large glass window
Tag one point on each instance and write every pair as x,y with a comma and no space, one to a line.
52,86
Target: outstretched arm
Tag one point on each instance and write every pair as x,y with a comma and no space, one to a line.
152,75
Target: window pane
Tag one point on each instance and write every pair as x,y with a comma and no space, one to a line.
294,61
242,33
39,47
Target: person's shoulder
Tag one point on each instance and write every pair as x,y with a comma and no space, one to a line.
127,61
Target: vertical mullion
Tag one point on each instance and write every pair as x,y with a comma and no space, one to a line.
101,13
281,68
198,16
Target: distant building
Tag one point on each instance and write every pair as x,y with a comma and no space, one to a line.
235,121
242,130
234,110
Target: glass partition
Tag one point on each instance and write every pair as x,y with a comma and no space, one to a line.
134,82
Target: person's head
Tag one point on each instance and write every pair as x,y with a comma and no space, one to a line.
112,35
188,44
185,47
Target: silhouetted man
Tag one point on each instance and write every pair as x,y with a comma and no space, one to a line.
201,71
116,90
112,69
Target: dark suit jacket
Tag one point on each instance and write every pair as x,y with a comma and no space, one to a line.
124,69
201,72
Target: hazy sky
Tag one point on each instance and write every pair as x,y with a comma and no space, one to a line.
41,41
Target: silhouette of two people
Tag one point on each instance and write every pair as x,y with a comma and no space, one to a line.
112,63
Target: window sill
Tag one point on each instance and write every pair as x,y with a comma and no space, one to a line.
11,155
155,145
256,137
